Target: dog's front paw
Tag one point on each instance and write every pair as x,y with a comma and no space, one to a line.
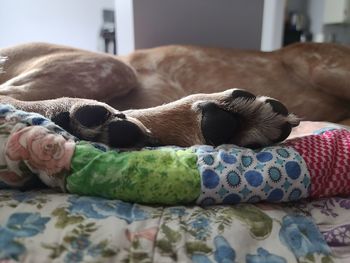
100,123
241,118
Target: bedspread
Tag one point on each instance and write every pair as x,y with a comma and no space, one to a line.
45,226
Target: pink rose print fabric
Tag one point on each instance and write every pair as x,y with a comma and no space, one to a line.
31,147
40,149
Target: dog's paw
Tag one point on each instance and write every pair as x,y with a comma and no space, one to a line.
241,118
101,123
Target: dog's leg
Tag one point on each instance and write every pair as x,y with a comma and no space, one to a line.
234,116
90,120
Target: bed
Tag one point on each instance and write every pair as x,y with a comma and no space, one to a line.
43,225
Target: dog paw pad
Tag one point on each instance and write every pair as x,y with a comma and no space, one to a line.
91,115
217,124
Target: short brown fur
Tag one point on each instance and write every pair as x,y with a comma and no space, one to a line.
312,80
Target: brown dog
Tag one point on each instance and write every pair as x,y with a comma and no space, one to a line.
233,116
311,79
146,78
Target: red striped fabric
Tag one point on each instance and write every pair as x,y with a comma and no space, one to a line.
328,159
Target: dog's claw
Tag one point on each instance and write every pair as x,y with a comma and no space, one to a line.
278,107
238,93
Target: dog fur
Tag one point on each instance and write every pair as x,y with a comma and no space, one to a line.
232,116
311,79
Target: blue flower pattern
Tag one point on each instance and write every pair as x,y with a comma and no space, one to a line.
302,236
264,256
19,225
201,226
100,208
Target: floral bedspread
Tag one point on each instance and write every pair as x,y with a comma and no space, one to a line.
46,226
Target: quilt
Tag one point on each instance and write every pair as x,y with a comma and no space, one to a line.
43,225
308,166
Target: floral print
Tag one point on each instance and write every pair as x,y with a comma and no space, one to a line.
77,246
41,149
344,203
18,227
332,217
32,147
264,256
53,227
99,208
338,236
302,237
56,227
224,252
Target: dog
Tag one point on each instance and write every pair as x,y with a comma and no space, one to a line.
311,79
233,116
34,75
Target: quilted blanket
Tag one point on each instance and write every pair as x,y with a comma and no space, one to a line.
308,166
41,225
46,226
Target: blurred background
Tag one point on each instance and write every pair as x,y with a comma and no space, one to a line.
120,26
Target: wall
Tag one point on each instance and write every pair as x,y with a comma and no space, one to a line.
229,23
273,23
124,17
337,33
316,12
69,22
299,6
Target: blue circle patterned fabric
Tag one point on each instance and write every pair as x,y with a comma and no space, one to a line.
232,174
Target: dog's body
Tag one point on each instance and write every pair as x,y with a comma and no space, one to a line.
311,79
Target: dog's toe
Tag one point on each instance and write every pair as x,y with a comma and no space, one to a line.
62,119
124,134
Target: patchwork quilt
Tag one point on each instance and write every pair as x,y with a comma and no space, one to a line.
311,166
231,184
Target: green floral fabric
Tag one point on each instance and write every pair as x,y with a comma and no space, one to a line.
162,175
